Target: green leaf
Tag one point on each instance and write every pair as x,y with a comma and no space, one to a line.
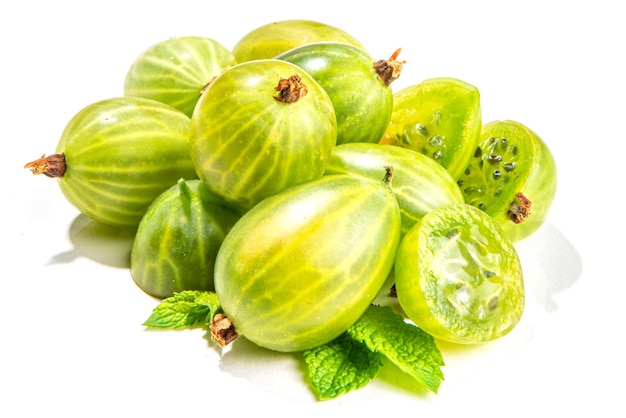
340,366
406,345
184,309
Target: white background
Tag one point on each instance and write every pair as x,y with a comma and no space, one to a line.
71,339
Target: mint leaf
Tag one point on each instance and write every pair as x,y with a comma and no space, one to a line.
184,309
406,345
340,366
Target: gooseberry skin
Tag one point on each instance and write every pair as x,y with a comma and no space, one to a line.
362,101
419,183
178,238
247,145
175,71
458,277
439,117
303,265
121,153
269,40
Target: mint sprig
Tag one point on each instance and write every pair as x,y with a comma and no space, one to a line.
347,363
409,347
184,309
340,366
333,371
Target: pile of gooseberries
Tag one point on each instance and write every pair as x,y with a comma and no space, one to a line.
289,179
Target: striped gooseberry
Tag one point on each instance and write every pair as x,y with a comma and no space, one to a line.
175,71
177,240
358,86
260,127
271,39
115,156
419,183
303,265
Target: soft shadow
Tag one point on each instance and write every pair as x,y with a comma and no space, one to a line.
104,244
281,374
551,265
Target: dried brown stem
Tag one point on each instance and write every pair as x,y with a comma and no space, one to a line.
291,89
519,209
52,166
222,330
390,69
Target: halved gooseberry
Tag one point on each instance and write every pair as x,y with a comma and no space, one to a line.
439,117
512,177
458,277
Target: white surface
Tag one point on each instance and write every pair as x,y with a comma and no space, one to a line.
72,343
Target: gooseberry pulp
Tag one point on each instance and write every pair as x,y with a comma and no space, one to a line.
303,265
512,176
358,86
419,183
176,71
439,117
271,39
115,156
458,276
260,127
178,238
